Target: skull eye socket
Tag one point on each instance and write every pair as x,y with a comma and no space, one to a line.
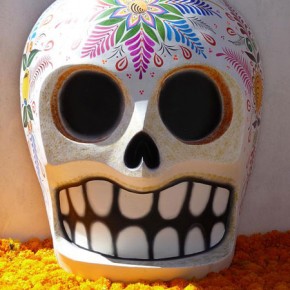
90,105
191,107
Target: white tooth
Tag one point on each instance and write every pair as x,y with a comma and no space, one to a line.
81,235
171,200
101,239
100,196
194,242
217,234
199,198
132,244
67,229
64,206
133,205
77,199
220,201
166,244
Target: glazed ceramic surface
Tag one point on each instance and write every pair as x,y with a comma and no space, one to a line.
141,117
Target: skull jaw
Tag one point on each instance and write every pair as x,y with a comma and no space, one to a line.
89,263
93,265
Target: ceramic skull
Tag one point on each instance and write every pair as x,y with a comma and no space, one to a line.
141,117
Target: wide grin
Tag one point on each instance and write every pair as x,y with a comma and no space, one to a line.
182,219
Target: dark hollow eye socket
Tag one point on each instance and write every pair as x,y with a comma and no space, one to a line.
90,105
190,105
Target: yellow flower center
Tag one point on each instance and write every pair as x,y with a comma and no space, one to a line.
138,6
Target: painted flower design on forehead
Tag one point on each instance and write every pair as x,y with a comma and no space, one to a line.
138,10
149,30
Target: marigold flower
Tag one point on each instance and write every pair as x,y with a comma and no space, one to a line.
261,262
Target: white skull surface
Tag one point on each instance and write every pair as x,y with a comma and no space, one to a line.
141,117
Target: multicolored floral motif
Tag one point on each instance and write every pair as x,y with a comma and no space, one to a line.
139,10
139,25
26,62
246,64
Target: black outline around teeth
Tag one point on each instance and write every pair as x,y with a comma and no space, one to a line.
152,223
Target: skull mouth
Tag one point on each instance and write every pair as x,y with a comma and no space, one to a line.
184,218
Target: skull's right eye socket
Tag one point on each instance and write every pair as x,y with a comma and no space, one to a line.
89,106
192,108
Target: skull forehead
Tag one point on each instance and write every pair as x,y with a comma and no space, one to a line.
137,41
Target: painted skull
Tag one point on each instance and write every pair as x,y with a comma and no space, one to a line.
141,117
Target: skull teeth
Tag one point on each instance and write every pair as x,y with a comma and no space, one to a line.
171,201
102,241
136,250
100,196
184,219
171,248
135,206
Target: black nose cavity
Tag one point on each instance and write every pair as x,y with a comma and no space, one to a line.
142,148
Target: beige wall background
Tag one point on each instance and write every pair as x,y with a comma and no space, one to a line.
267,203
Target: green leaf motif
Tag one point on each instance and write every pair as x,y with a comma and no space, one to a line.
113,2
150,32
120,31
131,33
171,9
106,13
251,57
25,119
111,21
249,44
160,28
31,56
30,112
170,17
24,62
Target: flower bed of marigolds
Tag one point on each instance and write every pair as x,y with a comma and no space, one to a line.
261,261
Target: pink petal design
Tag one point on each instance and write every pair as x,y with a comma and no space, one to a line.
132,21
158,61
101,39
240,65
122,64
42,64
231,32
156,9
121,12
186,52
148,19
209,39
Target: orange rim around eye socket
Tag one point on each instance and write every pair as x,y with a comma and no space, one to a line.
224,95
87,116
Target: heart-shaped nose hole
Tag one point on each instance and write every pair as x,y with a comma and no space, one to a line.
142,148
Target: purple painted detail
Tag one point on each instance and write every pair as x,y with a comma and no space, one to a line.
240,65
137,12
141,48
102,38
141,26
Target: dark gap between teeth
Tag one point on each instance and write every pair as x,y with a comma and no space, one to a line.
151,224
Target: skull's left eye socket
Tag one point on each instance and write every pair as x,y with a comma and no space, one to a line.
89,106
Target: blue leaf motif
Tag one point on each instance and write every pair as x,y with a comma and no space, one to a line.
183,33
193,6
169,31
